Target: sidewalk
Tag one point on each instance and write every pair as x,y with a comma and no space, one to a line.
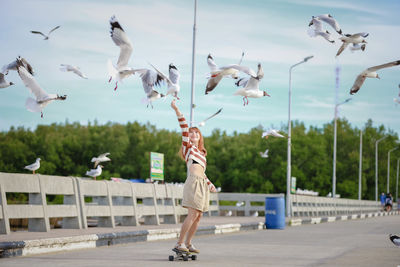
25,243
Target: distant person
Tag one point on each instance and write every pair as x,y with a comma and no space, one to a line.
196,191
388,202
383,198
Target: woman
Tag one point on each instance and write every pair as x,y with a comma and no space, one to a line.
196,192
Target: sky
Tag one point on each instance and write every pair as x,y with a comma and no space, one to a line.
270,32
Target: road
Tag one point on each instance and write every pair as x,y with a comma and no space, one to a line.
342,243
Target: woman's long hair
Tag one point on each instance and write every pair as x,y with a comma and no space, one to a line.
200,146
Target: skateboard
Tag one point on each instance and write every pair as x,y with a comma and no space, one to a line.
180,255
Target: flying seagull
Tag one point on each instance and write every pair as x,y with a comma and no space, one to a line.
3,82
172,81
202,123
95,172
122,70
42,98
370,73
354,39
395,239
74,69
13,66
265,154
271,132
150,79
46,37
317,30
216,73
250,85
101,158
34,166
327,18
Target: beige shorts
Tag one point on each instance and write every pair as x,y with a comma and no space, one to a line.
196,194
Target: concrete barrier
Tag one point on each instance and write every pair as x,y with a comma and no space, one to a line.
302,206
83,199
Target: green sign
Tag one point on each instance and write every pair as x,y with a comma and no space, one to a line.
293,186
156,166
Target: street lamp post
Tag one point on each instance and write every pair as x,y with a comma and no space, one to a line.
289,174
376,166
334,148
360,168
388,171
193,65
397,182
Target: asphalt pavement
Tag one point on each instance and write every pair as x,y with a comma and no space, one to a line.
359,242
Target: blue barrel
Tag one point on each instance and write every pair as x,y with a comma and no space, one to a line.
275,212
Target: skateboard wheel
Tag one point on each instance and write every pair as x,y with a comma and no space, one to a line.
194,257
171,258
185,258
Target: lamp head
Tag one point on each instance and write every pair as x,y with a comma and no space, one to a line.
308,58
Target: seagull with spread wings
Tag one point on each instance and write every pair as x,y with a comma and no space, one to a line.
217,73
250,85
370,73
327,18
46,37
122,70
74,69
42,98
265,154
13,66
172,81
101,158
315,29
271,132
150,79
355,39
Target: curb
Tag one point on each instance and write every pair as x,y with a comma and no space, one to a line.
39,246
317,220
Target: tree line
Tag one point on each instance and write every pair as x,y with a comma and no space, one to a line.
234,161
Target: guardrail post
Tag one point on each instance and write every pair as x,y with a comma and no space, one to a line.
73,222
39,224
154,219
134,220
106,221
4,220
81,203
169,201
247,207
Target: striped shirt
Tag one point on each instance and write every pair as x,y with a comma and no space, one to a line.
190,151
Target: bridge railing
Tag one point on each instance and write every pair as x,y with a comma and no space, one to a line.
302,205
108,203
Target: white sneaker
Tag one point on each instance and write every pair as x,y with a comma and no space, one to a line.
192,248
181,247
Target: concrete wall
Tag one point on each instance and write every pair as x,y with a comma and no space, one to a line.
111,202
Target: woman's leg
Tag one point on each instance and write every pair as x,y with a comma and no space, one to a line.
193,228
187,224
